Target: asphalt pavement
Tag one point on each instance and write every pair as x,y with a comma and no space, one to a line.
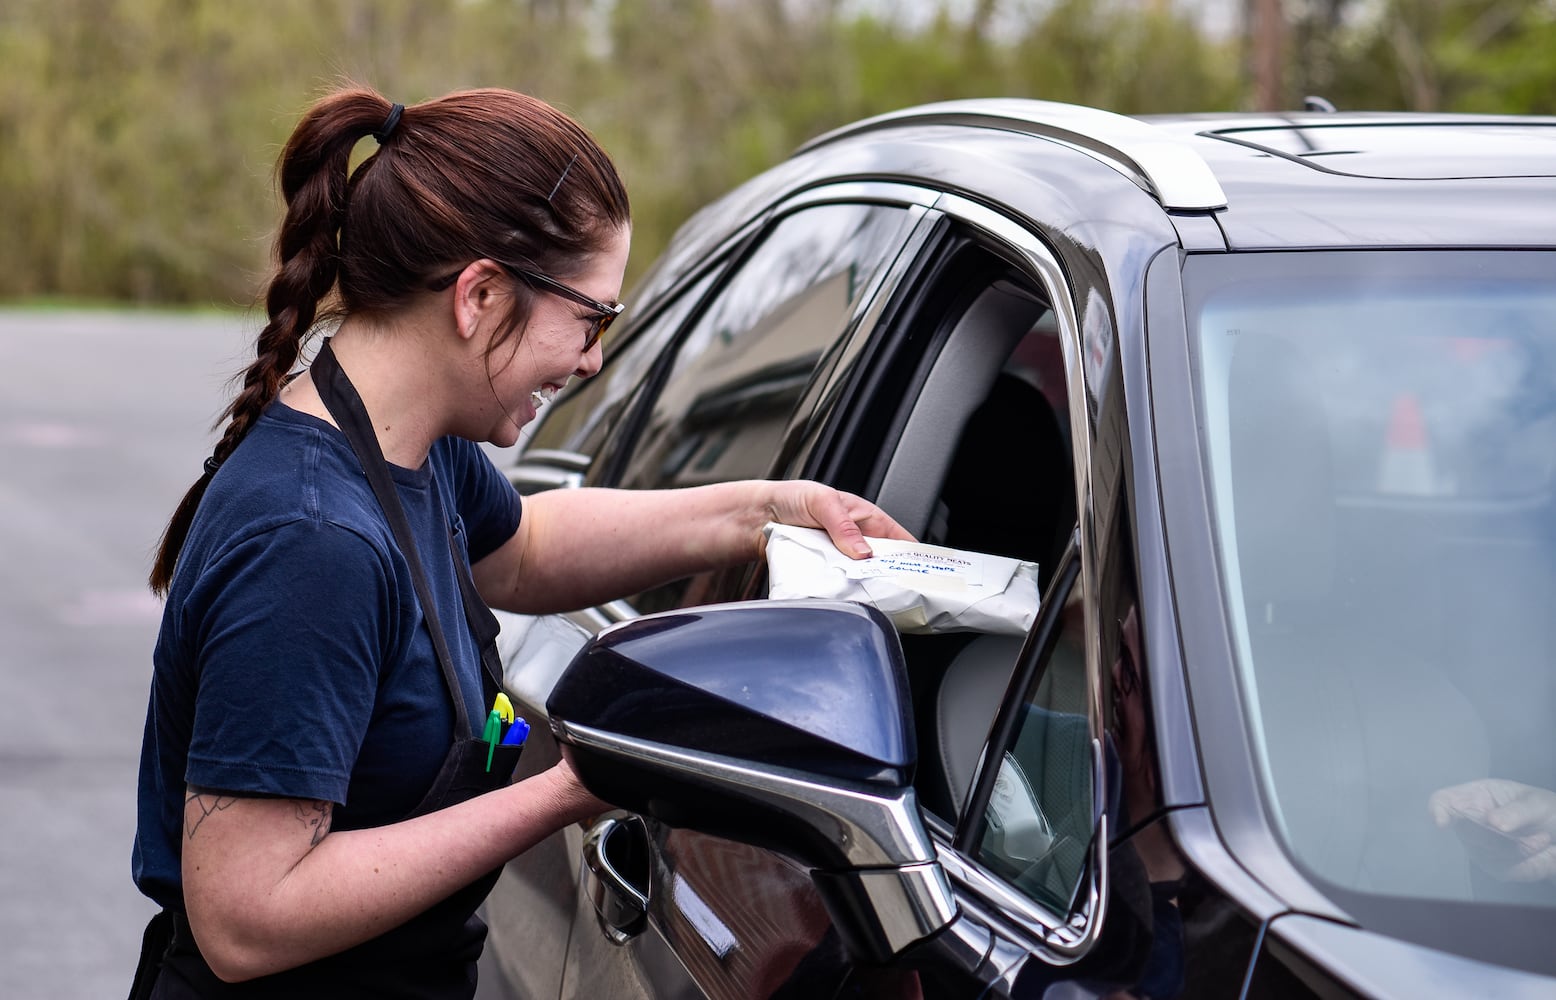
105,418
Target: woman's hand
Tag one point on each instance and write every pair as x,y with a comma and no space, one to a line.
845,518
575,803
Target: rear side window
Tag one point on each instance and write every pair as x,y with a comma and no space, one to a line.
745,363
742,367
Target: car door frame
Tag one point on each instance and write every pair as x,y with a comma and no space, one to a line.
1034,931
1050,936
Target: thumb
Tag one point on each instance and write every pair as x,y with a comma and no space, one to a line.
850,541
841,527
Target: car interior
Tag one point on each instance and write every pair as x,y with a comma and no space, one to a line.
987,431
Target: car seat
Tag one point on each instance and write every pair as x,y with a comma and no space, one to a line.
966,701
1010,489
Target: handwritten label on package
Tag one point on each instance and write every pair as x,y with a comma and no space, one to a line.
944,569
922,588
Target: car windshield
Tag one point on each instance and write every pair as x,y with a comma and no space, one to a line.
1381,438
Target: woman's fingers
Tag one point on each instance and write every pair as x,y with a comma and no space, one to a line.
846,518
873,521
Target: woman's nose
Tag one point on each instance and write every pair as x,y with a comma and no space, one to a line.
593,358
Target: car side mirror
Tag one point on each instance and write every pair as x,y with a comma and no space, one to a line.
783,724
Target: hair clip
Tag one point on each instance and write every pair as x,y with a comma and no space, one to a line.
558,186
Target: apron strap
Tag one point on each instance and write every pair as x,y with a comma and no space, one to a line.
345,405
483,625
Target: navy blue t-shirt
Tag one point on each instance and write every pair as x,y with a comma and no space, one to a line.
293,659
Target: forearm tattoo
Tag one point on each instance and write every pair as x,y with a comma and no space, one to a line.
204,803
316,816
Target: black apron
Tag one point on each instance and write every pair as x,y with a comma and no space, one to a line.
433,954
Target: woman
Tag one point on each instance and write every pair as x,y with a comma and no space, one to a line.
314,813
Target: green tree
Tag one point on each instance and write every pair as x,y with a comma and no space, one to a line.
138,137
1451,55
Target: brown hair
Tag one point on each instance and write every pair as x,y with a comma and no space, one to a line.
477,174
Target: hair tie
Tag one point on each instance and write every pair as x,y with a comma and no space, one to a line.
211,465
390,124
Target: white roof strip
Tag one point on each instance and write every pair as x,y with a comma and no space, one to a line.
1162,163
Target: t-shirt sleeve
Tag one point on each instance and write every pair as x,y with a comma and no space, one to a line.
483,496
291,626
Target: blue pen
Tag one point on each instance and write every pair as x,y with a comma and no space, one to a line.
518,732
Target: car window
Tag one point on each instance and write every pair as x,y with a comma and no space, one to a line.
1039,818
971,380
726,402
982,460
965,438
583,418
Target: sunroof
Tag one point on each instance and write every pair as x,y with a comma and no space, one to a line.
1438,150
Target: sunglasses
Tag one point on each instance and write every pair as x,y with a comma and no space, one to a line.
605,312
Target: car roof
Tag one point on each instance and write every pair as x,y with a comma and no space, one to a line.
1280,181
1383,145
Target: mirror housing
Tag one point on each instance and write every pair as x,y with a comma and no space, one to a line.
783,724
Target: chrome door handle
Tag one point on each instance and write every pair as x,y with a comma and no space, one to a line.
621,906
546,469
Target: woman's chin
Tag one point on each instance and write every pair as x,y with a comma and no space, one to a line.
507,432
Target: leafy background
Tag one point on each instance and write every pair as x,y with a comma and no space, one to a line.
138,137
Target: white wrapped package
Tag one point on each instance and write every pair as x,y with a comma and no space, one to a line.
921,588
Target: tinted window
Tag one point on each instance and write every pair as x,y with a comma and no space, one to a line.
745,363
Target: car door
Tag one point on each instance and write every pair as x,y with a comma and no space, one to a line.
952,409
702,392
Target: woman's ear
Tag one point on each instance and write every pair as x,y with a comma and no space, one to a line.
478,292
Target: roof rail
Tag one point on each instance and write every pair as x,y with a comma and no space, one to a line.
1164,165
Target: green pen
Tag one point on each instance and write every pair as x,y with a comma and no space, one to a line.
492,735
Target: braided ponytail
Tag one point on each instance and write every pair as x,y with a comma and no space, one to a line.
314,182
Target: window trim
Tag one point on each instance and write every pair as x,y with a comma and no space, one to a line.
1069,935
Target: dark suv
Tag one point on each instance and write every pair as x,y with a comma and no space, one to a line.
1271,401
